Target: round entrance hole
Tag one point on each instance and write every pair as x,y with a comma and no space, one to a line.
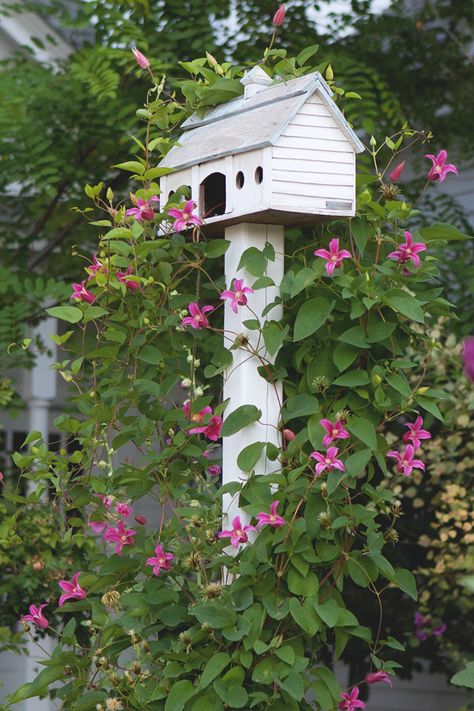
259,175
240,180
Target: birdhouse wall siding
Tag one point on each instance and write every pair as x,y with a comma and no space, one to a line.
313,161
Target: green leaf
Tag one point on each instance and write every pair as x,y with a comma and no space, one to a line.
118,233
344,355
240,418
406,304
304,615
250,455
303,585
293,685
300,405
465,677
71,314
357,462
363,430
354,336
353,379
400,384
39,685
93,312
273,335
406,582
304,277
311,316
430,407
306,54
133,166
216,664
440,230
216,248
179,695
151,355
380,331
254,261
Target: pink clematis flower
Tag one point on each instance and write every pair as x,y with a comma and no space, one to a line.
143,211
396,172
72,590
124,510
198,318
279,16
97,526
376,677
416,433
212,430
238,296
196,416
468,357
36,616
334,256
238,533
438,631
160,561
351,701
95,267
327,462
129,283
107,500
271,519
214,470
333,431
80,293
184,217
408,251
121,536
141,60
440,169
405,461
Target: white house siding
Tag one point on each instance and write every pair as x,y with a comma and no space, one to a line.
313,161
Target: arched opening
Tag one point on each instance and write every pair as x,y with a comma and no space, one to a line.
259,175
240,180
213,195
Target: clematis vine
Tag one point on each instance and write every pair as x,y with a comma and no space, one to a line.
334,256
80,293
238,532
376,677
238,297
197,318
468,357
271,519
143,210
416,433
36,616
140,58
440,169
121,536
72,590
185,217
129,283
327,462
405,461
211,430
408,251
351,701
333,431
160,561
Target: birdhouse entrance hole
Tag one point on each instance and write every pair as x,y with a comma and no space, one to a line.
213,195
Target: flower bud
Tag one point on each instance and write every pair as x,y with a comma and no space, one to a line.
373,142
396,172
279,16
141,520
288,434
140,58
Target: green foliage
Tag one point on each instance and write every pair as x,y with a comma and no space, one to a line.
257,639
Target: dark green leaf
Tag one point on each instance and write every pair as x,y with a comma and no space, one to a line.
311,316
240,418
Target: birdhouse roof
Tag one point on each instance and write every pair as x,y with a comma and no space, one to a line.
248,123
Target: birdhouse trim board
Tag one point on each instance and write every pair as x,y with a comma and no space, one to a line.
281,152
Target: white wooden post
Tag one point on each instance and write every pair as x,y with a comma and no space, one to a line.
42,391
242,382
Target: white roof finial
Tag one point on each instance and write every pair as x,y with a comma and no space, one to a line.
255,80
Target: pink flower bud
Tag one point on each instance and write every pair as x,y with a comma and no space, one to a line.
141,520
279,16
288,435
396,172
1,477
140,58
468,357
376,677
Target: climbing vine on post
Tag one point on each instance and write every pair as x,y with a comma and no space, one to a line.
151,624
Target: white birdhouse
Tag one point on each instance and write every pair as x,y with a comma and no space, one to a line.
282,154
